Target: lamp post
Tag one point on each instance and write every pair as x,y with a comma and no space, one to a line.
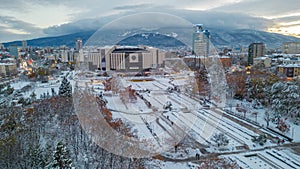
293,132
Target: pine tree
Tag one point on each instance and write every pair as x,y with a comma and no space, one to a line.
220,139
53,92
33,96
9,90
61,157
37,158
65,88
48,95
285,98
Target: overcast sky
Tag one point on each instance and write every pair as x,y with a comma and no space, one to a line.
20,19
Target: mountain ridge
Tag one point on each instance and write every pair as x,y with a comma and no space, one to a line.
219,37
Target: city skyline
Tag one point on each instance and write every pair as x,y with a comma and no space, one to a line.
24,20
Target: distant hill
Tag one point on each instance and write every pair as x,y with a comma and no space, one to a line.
245,37
238,37
151,39
68,40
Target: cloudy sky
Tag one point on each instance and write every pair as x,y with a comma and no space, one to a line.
28,19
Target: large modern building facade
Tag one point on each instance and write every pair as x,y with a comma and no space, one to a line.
255,50
291,48
201,41
125,58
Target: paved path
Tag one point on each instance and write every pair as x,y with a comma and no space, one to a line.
213,156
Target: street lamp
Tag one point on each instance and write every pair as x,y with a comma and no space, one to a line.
293,132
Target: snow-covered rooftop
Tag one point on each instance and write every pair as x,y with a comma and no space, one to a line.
7,64
289,65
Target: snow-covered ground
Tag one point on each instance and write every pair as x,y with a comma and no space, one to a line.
186,115
266,159
157,164
258,115
199,123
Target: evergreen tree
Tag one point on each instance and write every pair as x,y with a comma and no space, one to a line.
37,158
285,98
53,92
61,157
65,88
48,95
33,96
220,139
9,90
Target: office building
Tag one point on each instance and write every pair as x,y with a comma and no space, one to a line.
255,50
78,44
24,44
13,51
291,48
201,41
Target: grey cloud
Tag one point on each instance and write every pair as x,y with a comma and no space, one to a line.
9,22
263,7
210,19
227,17
8,36
15,23
290,25
18,5
224,20
288,19
130,7
80,25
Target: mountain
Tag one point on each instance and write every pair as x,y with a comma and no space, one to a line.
244,37
219,37
68,40
151,39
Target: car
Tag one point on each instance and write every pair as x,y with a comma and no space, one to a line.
206,106
238,97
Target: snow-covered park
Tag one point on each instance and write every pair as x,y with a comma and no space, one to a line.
210,130
160,109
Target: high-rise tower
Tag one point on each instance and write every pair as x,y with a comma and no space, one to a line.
255,50
24,44
201,40
13,51
78,44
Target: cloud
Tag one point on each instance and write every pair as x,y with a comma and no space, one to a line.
13,5
130,7
287,19
76,15
224,20
262,7
80,25
210,19
12,28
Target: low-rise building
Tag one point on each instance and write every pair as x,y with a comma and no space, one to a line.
289,70
8,69
292,60
264,61
196,61
226,61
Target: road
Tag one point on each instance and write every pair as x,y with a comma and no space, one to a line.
213,156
